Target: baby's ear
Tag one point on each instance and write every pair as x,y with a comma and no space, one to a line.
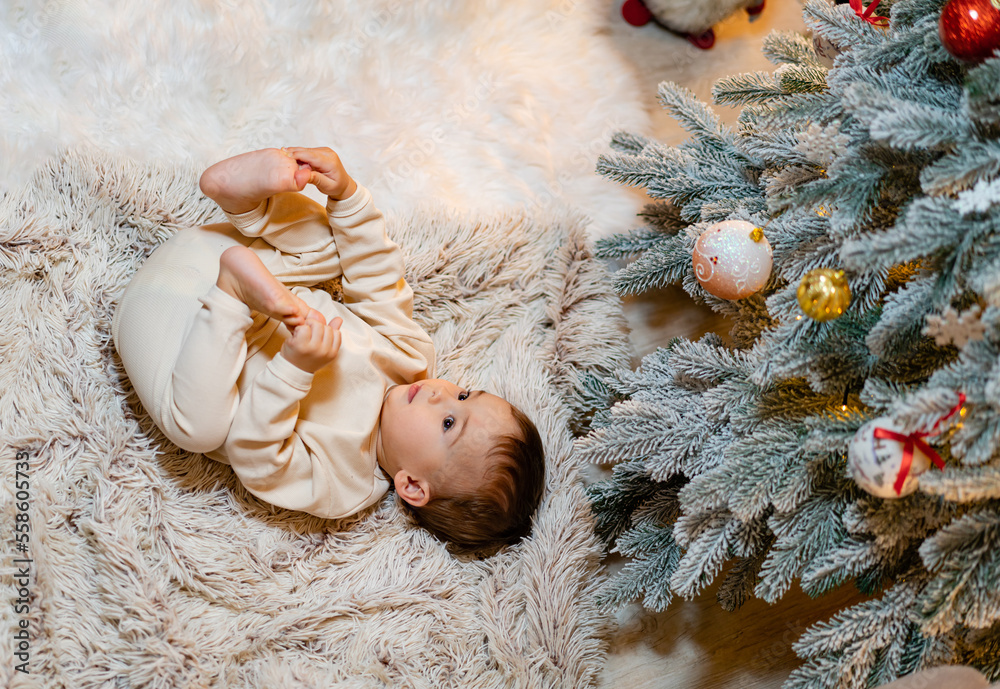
413,490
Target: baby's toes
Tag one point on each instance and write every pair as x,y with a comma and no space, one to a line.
299,311
282,172
286,308
301,177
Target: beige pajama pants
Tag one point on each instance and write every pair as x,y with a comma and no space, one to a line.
183,341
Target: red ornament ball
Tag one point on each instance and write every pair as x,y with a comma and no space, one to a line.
970,29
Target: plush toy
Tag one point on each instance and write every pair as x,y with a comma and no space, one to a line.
692,19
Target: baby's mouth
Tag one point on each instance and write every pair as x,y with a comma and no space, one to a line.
414,389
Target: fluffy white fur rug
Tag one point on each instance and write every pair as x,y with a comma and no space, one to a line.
479,104
153,567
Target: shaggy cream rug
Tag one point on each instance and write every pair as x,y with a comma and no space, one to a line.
152,567
476,103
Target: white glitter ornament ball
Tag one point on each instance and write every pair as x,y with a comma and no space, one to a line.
732,259
874,462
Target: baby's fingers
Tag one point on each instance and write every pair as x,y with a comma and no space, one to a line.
334,344
322,341
321,159
301,335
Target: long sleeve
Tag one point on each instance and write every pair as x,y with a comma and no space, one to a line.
283,460
373,282
349,241
263,447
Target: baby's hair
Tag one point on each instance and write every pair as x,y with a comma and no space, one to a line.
500,512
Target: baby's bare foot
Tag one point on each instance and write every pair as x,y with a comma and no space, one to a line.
240,183
244,276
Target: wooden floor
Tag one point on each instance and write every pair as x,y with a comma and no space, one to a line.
695,644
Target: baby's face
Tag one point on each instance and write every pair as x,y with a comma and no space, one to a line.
436,428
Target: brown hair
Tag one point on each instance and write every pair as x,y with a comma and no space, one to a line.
500,512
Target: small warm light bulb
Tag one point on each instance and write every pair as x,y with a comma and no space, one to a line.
843,407
798,318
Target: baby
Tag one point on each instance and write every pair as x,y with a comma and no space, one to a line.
317,405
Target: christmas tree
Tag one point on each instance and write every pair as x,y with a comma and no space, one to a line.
751,460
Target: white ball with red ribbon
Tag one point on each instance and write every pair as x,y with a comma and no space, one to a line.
887,462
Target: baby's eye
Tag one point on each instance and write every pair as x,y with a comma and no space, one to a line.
448,422
463,396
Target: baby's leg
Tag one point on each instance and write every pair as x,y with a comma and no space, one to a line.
242,275
182,340
294,225
240,183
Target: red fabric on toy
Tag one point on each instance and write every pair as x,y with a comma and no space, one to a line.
636,13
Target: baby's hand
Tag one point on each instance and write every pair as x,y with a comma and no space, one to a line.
328,173
314,344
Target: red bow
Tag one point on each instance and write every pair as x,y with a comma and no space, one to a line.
909,442
866,14
915,439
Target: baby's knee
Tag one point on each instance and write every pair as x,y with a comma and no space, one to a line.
197,444
194,436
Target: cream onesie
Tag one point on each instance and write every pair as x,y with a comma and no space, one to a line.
209,372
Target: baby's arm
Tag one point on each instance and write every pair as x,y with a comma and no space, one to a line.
373,281
263,446
266,452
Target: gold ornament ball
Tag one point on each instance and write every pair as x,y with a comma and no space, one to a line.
824,294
